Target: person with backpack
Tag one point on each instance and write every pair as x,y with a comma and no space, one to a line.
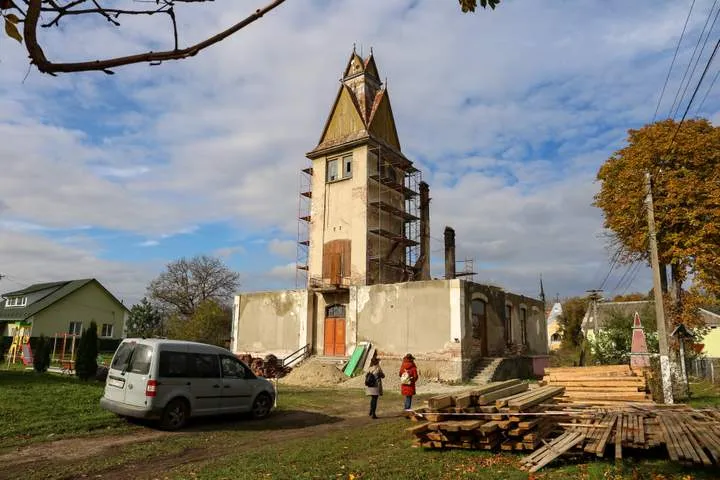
408,378
373,384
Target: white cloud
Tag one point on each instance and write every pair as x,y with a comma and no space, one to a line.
282,248
509,113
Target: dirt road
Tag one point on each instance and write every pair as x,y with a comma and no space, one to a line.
106,457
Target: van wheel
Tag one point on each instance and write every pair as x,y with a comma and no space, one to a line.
261,406
175,415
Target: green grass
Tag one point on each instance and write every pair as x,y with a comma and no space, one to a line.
316,433
704,394
42,407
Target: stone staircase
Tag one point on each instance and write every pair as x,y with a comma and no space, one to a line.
337,361
485,369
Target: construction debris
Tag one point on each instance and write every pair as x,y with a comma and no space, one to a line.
268,367
549,421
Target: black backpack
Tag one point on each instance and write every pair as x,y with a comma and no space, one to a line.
370,380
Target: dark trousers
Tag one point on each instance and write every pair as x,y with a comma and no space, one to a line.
408,402
373,404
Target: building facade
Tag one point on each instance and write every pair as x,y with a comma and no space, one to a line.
364,253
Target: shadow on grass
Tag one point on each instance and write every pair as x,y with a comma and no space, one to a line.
278,420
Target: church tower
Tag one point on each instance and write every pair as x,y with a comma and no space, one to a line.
361,224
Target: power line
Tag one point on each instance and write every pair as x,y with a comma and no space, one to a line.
697,87
697,60
682,81
631,279
712,84
616,257
677,48
622,279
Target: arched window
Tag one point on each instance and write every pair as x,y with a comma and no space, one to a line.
508,324
335,311
523,325
555,337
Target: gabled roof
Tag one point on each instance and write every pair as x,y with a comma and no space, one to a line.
52,292
361,110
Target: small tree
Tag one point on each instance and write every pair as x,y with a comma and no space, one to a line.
211,323
573,312
86,360
612,344
41,359
144,320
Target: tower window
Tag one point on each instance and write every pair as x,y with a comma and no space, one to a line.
332,170
339,168
347,166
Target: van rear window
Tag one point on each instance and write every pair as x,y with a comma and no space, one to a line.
120,360
140,361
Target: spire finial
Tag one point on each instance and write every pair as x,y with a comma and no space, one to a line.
354,48
371,50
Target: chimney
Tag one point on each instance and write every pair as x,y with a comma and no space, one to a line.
424,260
449,253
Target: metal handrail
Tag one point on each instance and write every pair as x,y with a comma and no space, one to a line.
298,354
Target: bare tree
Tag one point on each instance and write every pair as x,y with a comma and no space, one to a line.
53,12
185,284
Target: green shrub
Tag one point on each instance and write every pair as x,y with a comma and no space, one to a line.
41,358
87,353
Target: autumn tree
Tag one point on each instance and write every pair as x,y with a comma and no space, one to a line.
185,284
684,164
144,320
210,323
24,19
573,312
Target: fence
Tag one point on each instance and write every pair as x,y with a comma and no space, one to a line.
705,368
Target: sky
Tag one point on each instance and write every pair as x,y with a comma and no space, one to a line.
508,113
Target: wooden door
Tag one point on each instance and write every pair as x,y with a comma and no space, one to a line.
334,337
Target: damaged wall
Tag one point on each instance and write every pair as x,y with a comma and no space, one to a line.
271,322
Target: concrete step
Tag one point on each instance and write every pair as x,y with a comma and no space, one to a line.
485,369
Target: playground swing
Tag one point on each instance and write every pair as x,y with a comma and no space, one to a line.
66,357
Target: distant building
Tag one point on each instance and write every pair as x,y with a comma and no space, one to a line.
364,260
554,330
63,307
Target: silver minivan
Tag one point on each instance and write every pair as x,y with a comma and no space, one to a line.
172,380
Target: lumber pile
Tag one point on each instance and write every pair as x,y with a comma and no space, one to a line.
606,384
506,415
689,436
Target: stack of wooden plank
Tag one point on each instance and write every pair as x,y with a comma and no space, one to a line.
689,436
501,414
607,384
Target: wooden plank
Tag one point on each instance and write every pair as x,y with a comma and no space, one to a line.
618,439
542,395
558,449
486,398
602,444
440,401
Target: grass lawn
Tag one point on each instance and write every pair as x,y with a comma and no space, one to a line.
319,433
46,407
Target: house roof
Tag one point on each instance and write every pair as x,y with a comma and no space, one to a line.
51,292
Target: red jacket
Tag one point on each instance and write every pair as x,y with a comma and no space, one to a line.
409,366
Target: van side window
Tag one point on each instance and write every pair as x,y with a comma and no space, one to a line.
232,368
140,360
204,366
173,364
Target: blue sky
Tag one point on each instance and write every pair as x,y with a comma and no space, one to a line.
509,114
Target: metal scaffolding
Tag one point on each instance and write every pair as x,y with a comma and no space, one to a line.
303,232
393,216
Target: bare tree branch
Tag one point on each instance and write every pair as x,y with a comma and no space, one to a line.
37,56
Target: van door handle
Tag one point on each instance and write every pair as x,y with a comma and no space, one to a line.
216,386
188,384
227,386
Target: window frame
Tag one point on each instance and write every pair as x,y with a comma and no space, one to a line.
339,311
523,325
13,302
102,330
508,323
340,166
74,331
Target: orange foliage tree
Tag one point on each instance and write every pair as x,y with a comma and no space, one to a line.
686,195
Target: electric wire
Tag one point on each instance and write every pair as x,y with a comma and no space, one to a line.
692,57
677,48
712,84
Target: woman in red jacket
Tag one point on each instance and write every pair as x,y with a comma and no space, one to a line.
408,377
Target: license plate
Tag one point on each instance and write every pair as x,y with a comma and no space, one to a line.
116,382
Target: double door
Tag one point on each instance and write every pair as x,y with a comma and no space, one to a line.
334,337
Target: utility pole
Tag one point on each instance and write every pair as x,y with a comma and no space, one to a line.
657,293
594,296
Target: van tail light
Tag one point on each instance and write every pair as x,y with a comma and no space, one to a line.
151,388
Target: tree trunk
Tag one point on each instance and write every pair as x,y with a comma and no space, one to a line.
663,278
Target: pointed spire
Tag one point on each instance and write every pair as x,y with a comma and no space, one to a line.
542,290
